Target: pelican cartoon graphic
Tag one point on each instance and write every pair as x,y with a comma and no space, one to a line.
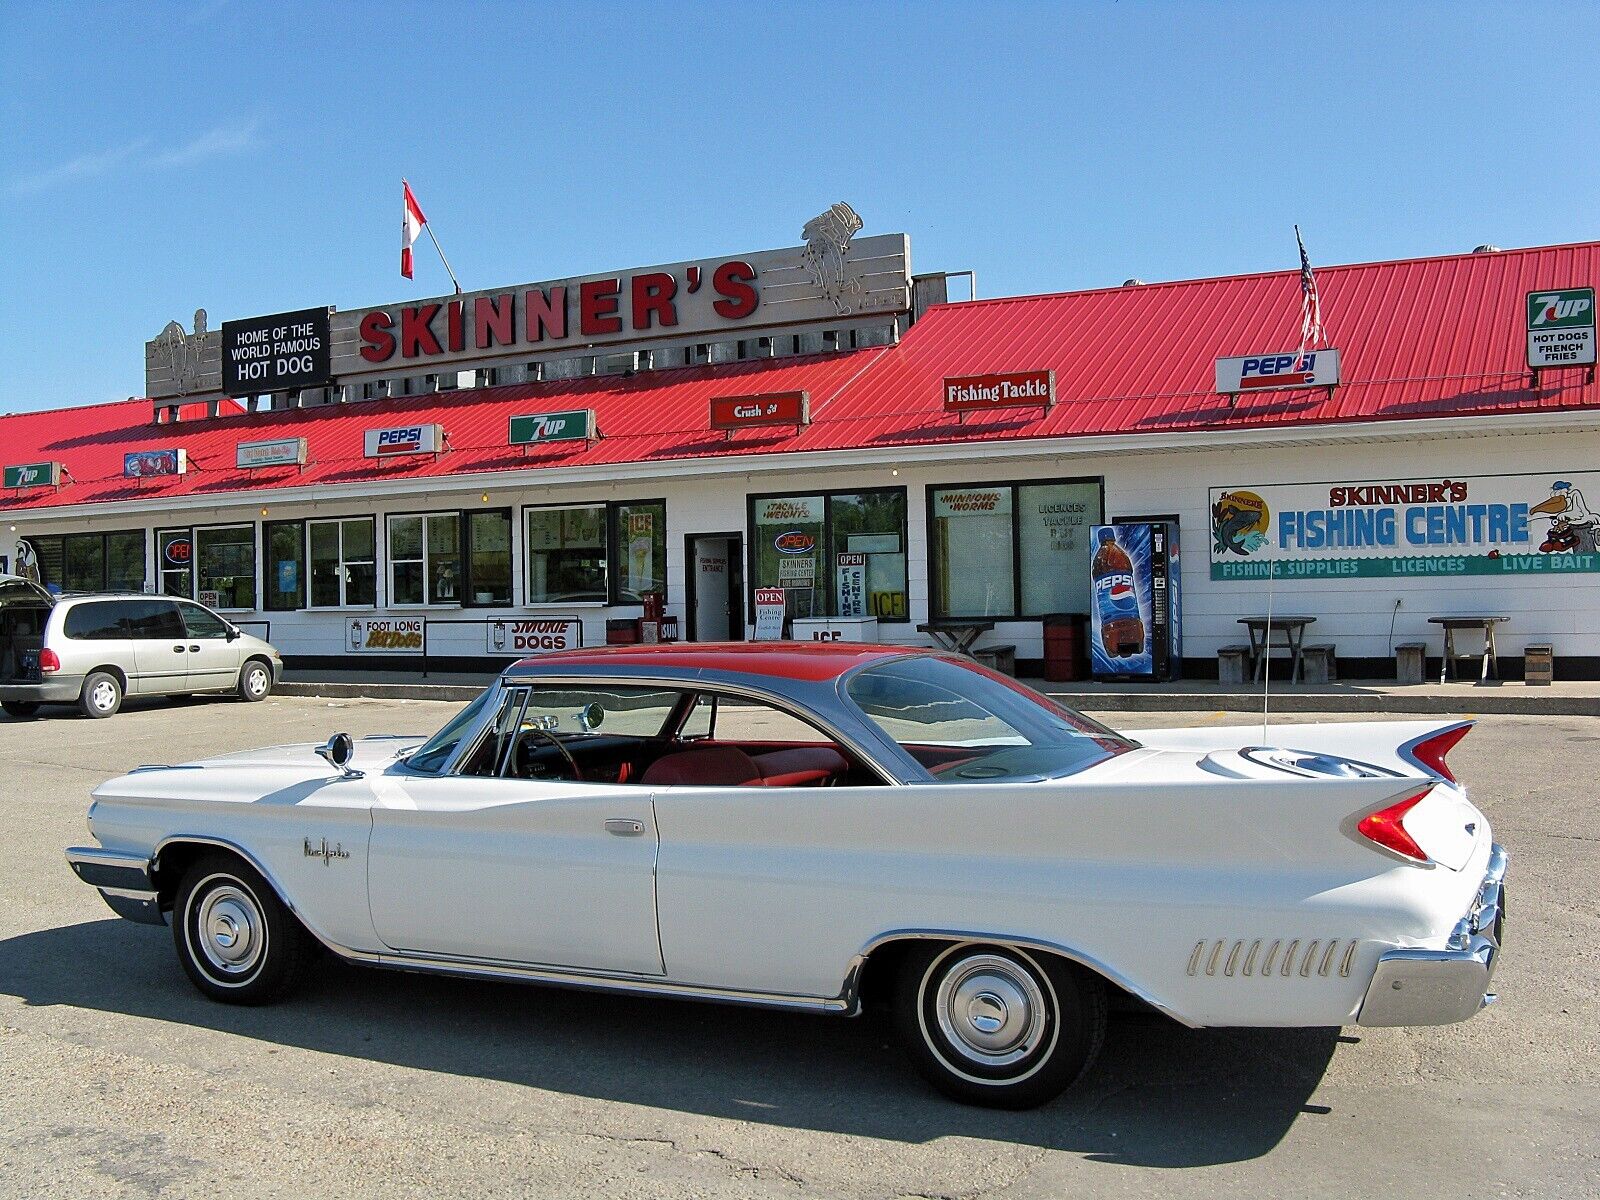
28,562
1572,525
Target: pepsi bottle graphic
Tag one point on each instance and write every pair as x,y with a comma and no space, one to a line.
1116,599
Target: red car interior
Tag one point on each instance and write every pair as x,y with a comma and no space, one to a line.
730,766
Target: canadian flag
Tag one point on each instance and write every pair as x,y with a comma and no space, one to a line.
410,228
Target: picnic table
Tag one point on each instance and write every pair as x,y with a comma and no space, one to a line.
956,634
1483,622
1262,629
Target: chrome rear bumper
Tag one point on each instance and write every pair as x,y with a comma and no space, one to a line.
123,881
1441,987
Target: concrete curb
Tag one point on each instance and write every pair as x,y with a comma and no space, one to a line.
1488,701
456,692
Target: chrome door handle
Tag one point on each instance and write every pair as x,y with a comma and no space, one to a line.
624,827
194,649
177,650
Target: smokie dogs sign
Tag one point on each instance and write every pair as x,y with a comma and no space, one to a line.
1476,525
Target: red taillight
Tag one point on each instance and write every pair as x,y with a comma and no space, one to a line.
1430,753
49,661
1386,829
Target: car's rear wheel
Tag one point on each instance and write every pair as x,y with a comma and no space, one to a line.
19,708
101,696
998,1026
255,681
237,941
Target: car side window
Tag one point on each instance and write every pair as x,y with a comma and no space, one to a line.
154,619
201,623
105,621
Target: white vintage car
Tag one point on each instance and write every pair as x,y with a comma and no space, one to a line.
831,827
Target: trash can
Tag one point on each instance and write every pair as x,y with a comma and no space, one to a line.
1538,664
1064,647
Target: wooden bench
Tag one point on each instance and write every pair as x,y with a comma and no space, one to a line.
1410,662
1320,666
1233,664
998,658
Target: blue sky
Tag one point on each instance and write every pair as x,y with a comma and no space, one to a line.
246,158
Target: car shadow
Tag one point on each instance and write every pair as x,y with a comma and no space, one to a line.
1160,1095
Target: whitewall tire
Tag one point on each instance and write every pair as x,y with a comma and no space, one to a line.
995,1025
237,941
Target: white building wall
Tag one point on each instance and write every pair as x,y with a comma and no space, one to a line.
1353,614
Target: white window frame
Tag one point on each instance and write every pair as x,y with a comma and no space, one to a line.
426,559
344,564
528,551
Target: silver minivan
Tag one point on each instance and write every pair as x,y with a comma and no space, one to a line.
93,649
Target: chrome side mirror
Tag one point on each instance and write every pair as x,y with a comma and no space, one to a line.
337,751
590,716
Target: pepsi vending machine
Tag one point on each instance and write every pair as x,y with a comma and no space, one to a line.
1135,606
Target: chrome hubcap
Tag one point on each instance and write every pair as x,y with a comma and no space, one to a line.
231,931
991,1010
256,681
104,695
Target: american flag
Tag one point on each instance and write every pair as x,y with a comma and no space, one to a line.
1312,334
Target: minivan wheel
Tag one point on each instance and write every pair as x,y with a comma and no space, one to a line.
19,708
998,1026
255,681
102,695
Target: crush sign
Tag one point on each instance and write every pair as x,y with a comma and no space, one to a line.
277,353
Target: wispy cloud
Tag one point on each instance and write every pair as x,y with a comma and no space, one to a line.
141,154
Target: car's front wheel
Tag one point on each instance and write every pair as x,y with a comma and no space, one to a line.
237,941
998,1026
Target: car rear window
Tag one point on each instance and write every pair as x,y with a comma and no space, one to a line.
100,622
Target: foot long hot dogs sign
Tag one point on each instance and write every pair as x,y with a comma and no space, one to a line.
833,278
1468,525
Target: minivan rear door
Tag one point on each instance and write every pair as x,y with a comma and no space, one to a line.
160,646
17,592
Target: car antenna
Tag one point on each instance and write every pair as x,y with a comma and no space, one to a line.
1266,650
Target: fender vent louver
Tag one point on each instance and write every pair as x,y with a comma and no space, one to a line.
1224,957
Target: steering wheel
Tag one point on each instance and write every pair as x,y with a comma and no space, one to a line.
572,763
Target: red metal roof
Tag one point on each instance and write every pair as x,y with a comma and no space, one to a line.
1433,337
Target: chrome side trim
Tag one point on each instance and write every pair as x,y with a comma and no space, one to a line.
591,981
1406,751
850,991
110,868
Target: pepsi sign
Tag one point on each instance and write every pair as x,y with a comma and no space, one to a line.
1272,372
405,439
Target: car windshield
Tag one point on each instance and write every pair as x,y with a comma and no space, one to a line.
436,751
966,724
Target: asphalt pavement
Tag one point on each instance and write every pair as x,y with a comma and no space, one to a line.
118,1080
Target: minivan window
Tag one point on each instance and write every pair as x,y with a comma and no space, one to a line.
201,623
102,622
153,619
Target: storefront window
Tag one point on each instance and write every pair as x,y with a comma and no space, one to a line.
342,570
425,559
285,544
641,532
1053,522
1012,549
175,562
489,557
86,562
566,555
833,554
225,564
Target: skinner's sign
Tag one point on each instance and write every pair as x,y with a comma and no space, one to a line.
1478,525
834,276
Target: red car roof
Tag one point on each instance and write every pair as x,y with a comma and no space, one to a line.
810,662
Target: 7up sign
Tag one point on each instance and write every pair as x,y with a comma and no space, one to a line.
31,475
1561,328
576,426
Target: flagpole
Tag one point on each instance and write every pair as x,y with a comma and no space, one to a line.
429,227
